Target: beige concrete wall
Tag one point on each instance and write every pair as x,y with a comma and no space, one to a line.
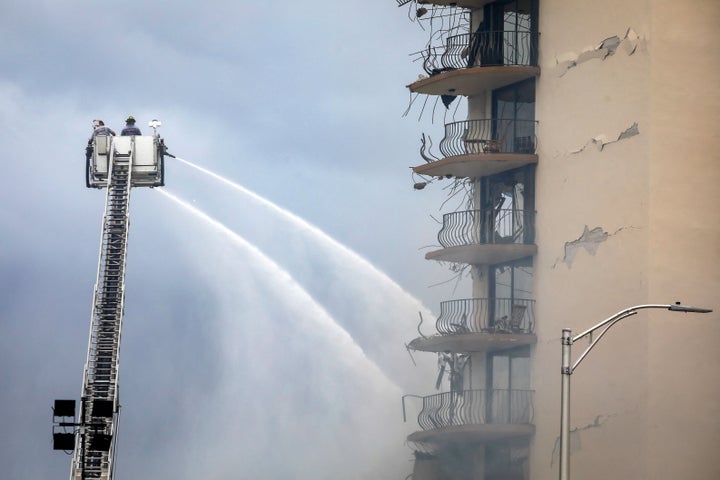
604,190
684,252
641,402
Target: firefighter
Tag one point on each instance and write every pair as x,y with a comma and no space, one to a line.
130,128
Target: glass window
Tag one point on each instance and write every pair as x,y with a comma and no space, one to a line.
509,204
507,33
510,369
513,112
513,281
508,392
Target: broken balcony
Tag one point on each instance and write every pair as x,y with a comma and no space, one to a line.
471,63
475,416
486,237
480,324
477,148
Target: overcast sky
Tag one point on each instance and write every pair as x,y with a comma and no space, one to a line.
265,351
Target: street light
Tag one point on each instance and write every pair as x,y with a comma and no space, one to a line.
567,369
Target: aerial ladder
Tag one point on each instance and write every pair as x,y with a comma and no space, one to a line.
117,164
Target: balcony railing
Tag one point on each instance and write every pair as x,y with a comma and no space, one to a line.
493,226
486,315
476,407
489,48
496,135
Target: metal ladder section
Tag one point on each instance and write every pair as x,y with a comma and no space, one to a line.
93,455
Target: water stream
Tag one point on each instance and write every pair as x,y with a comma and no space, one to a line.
379,314
293,294
295,396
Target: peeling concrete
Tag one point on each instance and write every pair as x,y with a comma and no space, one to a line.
602,139
590,54
629,132
563,67
575,440
590,240
611,44
628,44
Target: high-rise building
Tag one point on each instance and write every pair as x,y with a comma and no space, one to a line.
589,158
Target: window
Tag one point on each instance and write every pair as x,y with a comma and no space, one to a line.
512,280
507,35
513,111
509,395
509,206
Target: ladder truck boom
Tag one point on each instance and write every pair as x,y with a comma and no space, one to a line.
117,163
93,456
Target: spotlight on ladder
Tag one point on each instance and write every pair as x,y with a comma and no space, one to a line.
154,124
64,441
62,438
64,408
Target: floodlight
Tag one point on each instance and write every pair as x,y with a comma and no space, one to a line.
63,441
154,124
64,408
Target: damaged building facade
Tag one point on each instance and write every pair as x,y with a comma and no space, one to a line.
590,163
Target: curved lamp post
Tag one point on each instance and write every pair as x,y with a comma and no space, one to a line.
568,369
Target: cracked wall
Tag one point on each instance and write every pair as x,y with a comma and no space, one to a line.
626,138
606,93
608,47
576,438
602,139
589,241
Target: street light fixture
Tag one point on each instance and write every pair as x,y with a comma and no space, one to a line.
568,369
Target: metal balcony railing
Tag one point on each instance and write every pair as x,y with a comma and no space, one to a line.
496,135
482,49
492,226
476,407
486,315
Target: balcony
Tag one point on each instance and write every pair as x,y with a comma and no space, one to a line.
472,63
479,325
475,416
486,237
476,148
